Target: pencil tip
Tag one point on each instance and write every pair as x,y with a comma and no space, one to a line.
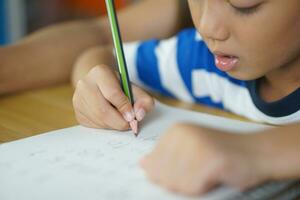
134,127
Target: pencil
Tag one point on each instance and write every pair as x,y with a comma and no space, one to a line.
122,66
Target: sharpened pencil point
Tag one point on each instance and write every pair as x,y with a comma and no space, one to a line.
134,127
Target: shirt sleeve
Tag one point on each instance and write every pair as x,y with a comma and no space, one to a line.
153,64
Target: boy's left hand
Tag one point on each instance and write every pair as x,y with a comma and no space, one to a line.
192,160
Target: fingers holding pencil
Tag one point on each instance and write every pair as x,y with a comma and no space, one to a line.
102,92
112,92
144,103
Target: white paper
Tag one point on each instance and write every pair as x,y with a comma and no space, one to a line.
86,164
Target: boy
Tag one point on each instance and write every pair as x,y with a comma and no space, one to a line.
246,59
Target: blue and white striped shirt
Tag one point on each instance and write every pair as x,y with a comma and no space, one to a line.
184,68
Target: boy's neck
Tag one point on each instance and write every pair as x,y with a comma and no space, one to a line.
280,82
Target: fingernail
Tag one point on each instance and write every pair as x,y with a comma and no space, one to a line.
129,116
134,127
140,114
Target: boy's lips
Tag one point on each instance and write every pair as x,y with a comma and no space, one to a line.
226,62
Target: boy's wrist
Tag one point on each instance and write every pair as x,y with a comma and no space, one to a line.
101,25
275,156
262,154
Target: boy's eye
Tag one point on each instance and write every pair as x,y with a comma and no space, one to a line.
245,10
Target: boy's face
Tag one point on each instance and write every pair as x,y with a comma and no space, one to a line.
260,36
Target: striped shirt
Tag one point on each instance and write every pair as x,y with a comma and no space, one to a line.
183,67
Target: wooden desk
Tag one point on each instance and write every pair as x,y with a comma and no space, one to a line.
39,111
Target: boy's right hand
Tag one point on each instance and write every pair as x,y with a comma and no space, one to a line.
99,101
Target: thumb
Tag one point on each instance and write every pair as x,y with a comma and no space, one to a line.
144,103
109,86
123,105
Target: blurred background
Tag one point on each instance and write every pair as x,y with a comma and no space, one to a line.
20,17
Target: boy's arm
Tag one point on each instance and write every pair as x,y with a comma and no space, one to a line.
92,57
47,56
200,159
153,19
280,148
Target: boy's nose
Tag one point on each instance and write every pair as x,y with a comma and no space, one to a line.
212,25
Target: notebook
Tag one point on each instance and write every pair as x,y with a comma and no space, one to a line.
81,163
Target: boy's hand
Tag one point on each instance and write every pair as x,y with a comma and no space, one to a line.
192,160
99,101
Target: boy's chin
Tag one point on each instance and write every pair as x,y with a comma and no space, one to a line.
243,76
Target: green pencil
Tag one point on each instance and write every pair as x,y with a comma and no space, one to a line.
122,66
